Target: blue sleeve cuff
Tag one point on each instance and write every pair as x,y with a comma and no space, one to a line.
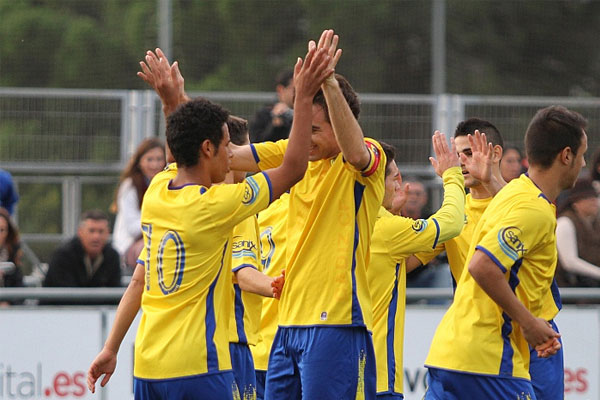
236,269
141,262
437,234
254,153
493,257
270,187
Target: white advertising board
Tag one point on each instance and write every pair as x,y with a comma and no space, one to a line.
580,330
45,354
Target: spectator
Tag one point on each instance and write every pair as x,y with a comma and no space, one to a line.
274,121
10,252
510,165
8,192
416,200
148,160
88,259
577,237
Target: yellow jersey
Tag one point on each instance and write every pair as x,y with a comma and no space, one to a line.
394,239
245,314
517,232
272,223
458,247
187,257
332,212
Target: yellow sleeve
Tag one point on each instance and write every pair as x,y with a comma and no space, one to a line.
512,236
230,204
269,154
408,236
375,169
245,249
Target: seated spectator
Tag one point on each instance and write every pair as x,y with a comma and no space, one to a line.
511,166
148,160
274,121
577,238
87,260
8,192
10,252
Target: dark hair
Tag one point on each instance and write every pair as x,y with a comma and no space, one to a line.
12,238
133,170
96,215
390,155
469,126
594,174
515,148
349,94
551,130
190,125
583,189
238,130
284,77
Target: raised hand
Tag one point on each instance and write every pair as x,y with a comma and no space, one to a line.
445,157
104,364
164,78
480,163
310,73
329,41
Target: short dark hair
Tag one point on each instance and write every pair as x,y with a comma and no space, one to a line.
190,125
349,94
390,155
284,77
238,130
551,130
96,215
469,126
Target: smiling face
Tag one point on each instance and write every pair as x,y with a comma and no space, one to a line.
152,162
323,143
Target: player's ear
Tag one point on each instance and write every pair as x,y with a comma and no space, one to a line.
566,156
498,152
206,149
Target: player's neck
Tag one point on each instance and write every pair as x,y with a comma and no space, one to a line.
547,180
192,176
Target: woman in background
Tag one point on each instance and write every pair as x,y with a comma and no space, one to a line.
10,252
148,160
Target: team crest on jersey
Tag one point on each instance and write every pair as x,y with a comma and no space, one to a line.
510,242
251,191
419,225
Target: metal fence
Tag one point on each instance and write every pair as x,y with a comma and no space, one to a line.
66,148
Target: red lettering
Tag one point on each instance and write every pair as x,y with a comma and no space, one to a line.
569,378
79,383
581,380
62,380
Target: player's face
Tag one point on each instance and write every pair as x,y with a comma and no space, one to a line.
463,146
222,158
577,164
392,182
323,144
152,162
93,235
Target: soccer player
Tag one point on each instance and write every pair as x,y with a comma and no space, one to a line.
272,223
182,278
481,347
323,347
395,238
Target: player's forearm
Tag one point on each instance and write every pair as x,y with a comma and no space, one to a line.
346,128
491,279
253,281
169,105
450,216
127,310
243,159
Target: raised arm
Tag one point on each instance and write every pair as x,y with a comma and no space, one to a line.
484,164
308,77
106,361
347,131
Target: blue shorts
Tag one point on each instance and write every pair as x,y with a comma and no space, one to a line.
321,363
450,385
243,369
261,377
220,385
548,374
390,396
